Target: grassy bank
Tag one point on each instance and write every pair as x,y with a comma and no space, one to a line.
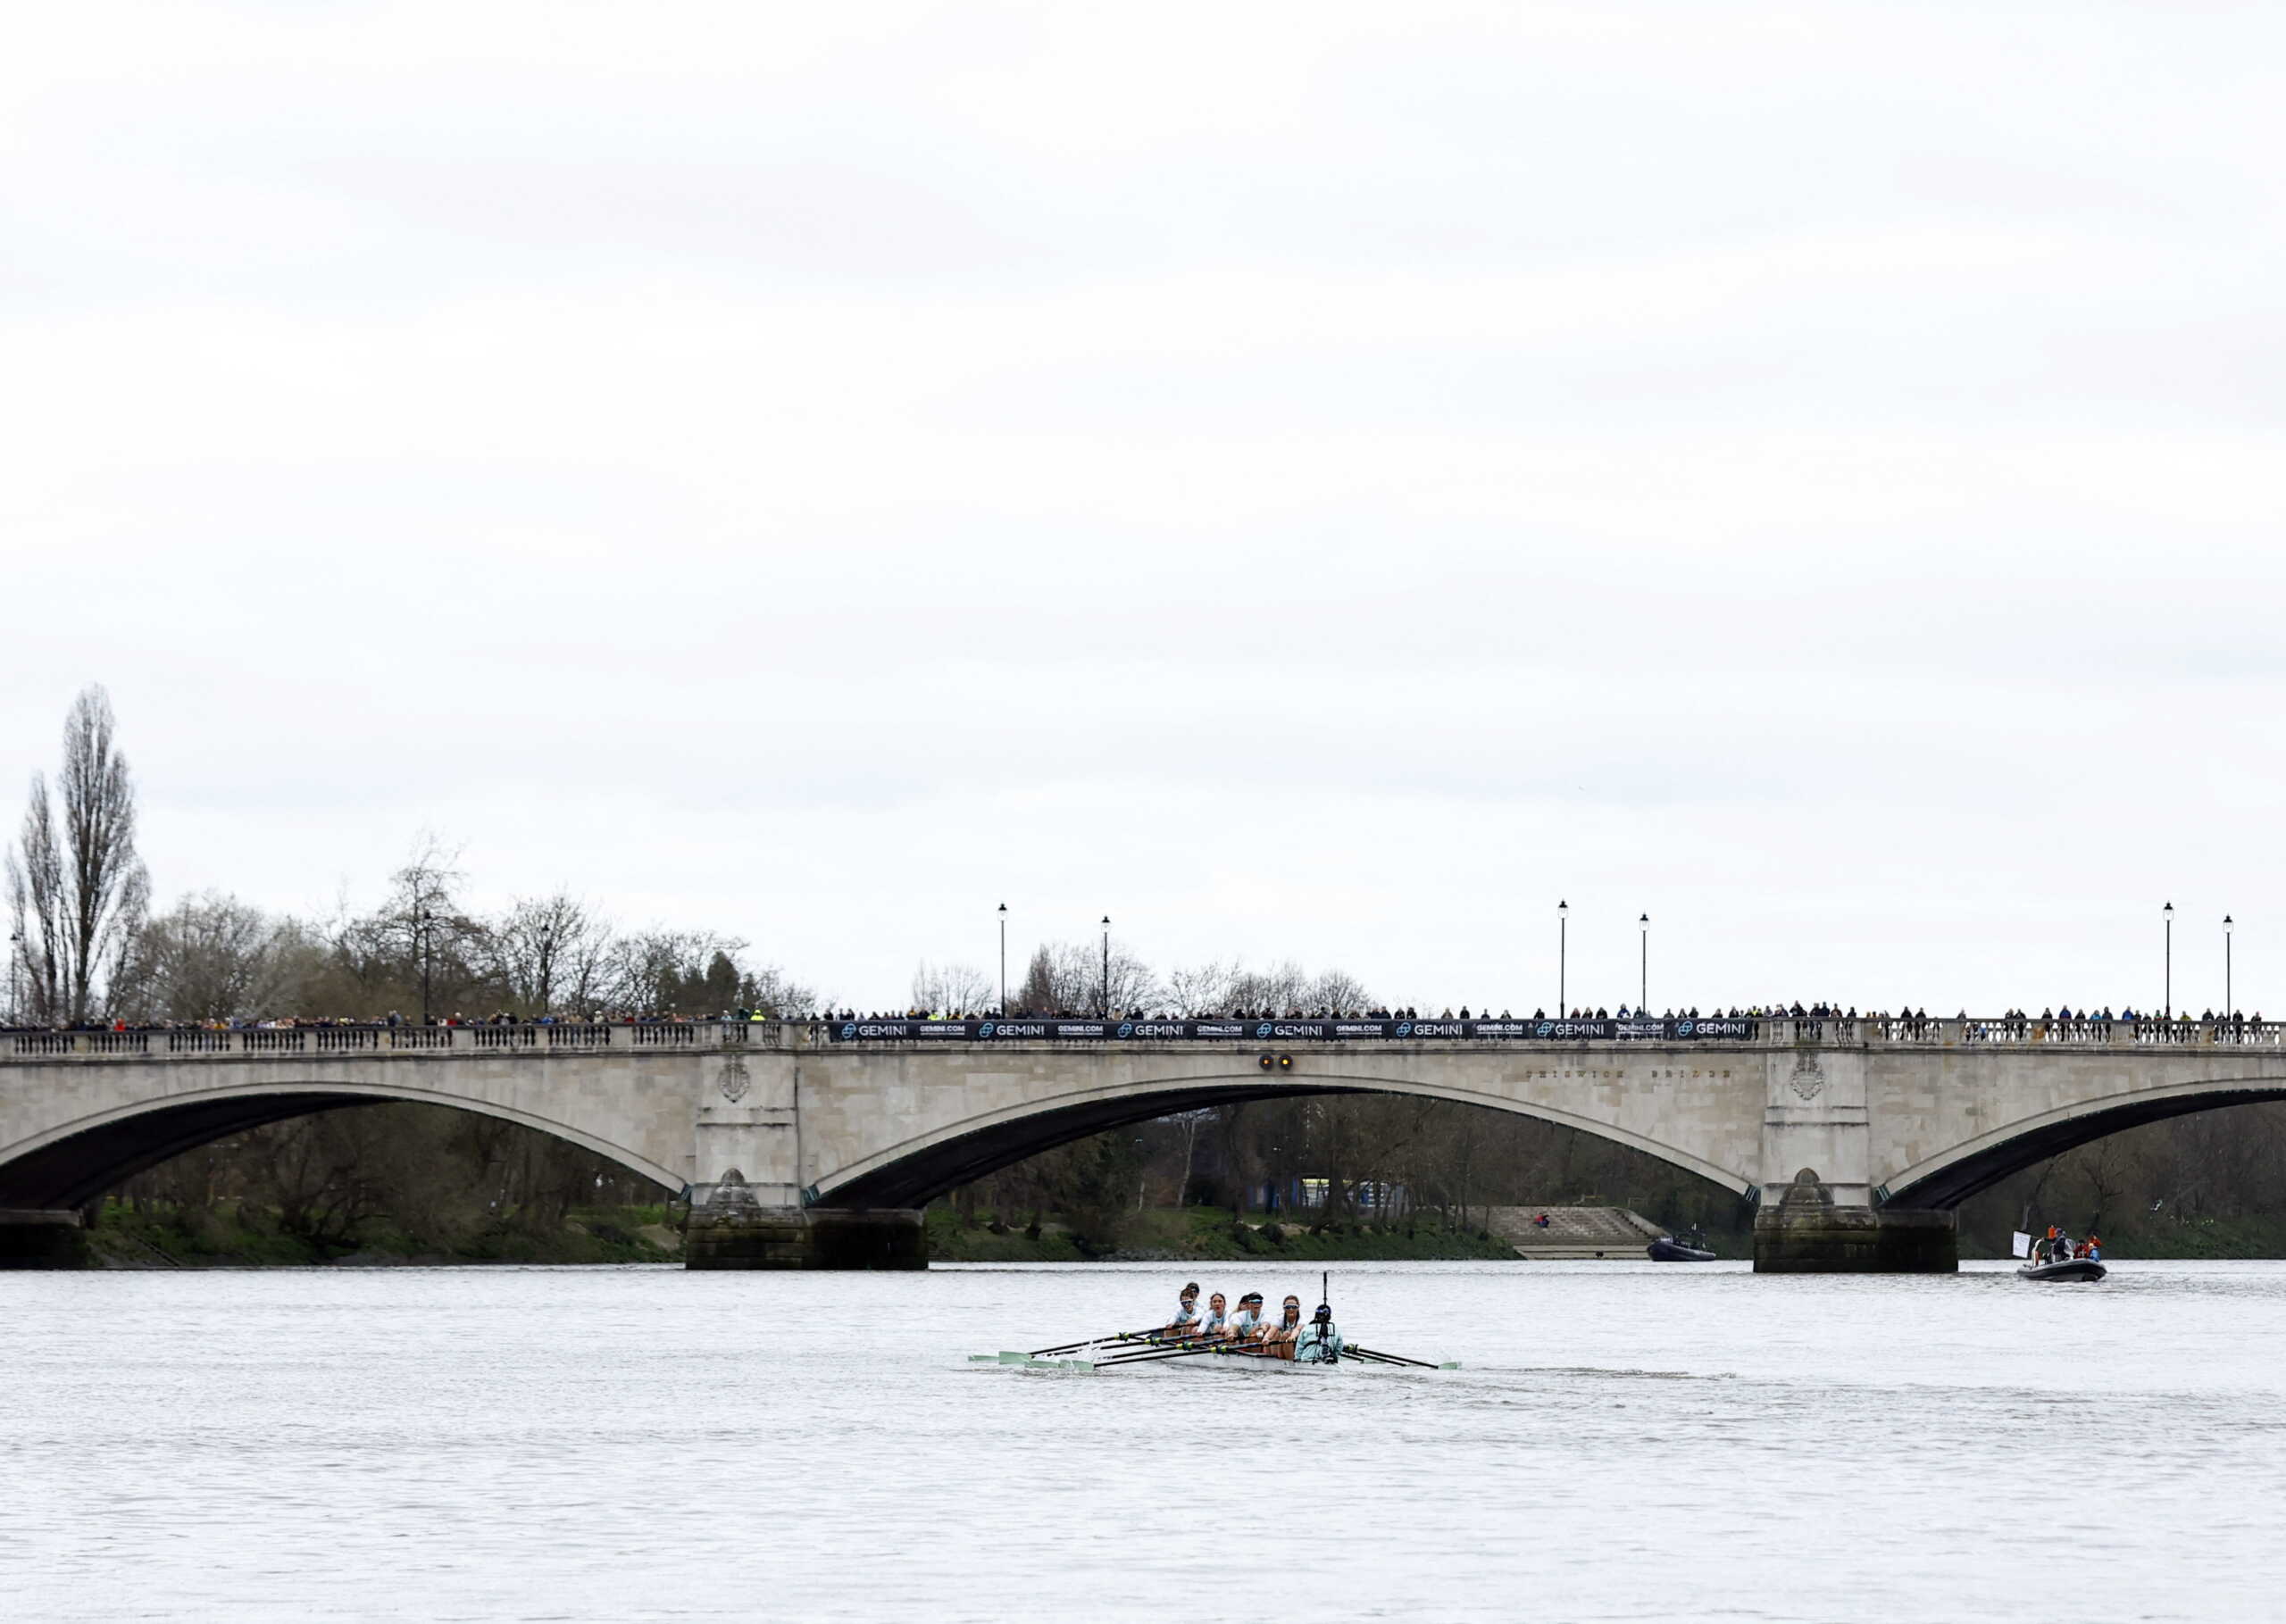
1207,1234
2260,1236
232,1235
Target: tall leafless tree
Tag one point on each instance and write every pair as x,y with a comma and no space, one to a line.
76,891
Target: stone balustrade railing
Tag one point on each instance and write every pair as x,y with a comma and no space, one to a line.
580,1037
237,1042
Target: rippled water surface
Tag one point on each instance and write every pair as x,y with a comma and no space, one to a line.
1627,1441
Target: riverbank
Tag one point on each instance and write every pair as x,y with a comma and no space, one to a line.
1204,1234
235,1236
2256,1237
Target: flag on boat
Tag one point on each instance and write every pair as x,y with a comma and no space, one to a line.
2020,1244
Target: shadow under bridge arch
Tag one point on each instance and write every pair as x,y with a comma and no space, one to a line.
918,1170
1969,1169
72,1164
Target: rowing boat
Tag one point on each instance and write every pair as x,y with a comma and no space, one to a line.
1123,1351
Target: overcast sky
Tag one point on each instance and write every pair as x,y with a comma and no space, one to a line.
1321,481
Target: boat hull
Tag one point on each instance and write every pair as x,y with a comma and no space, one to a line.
2083,1269
1666,1250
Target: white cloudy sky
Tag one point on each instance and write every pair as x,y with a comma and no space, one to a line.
1319,482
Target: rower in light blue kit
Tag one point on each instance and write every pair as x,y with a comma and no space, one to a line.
1245,1325
1319,1343
1211,1324
1185,1320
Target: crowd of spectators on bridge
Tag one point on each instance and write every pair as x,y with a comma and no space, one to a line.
2061,1024
395,1018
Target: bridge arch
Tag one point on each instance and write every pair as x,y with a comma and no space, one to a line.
1952,1177
73,1162
917,1170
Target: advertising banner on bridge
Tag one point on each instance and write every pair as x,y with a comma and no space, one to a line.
1712,1030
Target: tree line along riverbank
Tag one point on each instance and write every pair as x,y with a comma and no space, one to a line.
234,1235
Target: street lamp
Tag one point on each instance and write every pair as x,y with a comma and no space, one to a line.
2227,1006
16,978
1004,960
2167,1005
421,925
1643,986
1563,925
1107,1004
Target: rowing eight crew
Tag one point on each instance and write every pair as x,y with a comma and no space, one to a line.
1315,1342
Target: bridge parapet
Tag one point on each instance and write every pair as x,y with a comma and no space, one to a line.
239,1043
541,1037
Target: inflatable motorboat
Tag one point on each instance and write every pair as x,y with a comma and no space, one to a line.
2063,1268
1668,1249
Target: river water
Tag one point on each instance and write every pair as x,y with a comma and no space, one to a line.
1625,1442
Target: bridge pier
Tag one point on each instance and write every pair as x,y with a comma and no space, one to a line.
35,1237
1802,1229
731,1228
1817,1117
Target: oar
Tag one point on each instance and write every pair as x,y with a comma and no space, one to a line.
1225,1350
1156,1358
1185,1345
1073,1347
1351,1349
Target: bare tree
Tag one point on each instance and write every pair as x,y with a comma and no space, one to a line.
210,957
1338,991
420,948
548,952
770,991
1203,989
951,988
35,908
1068,979
691,972
76,891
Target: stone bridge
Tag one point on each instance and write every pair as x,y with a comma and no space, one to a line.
814,1144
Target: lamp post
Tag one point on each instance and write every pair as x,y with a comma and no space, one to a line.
16,978
1004,960
421,925
2167,1003
1643,985
2227,1006
1563,926
1106,1002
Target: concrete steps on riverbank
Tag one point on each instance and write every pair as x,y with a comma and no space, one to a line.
1573,1232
